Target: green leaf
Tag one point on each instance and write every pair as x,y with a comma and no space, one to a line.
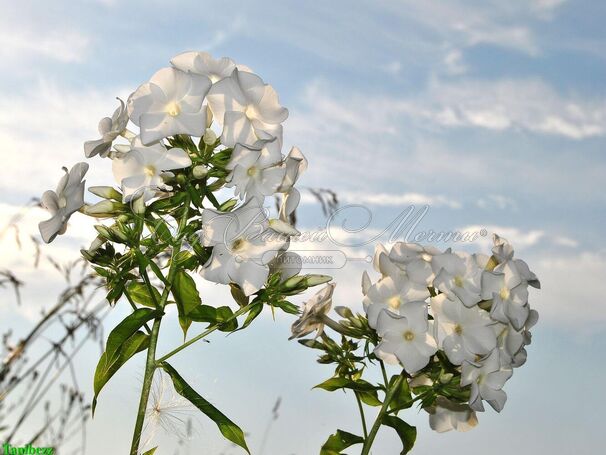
402,398
370,398
333,384
339,441
108,365
186,295
125,329
185,292
228,429
238,294
139,292
151,451
407,433
224,314
255,310
160,229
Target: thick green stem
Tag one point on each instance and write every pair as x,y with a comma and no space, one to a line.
207,332
150,364
379,420
150,367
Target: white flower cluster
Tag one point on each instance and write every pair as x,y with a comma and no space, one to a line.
472,307
184,99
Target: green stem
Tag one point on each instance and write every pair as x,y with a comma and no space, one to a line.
150,364
385,380
368,441
207,332
362,417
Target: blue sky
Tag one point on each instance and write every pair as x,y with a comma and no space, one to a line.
493,113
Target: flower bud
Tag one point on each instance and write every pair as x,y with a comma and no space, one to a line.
200,171
282,227
315,280
228,205
294,282
103,209
209,137
106,192
445,378
138,206
344,312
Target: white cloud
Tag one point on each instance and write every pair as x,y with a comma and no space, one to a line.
497,201
404,199
44,129
522,104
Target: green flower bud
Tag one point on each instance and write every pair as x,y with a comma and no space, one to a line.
138,206
293,282
209,137
103,209
315,280
200,171
106,192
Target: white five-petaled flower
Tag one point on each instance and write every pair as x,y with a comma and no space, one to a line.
459,275
508,304
447,415
463,333
313,311
515,271
487,378
140,170
63,202
170,103
109,129
391,293
247,108
257,170
243,246
204,64
415,260
406,337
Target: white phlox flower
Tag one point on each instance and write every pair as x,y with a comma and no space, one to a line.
463,333
170,103
140,171
256,171
446,415
406,337
67,199
459,275
109,129
243,246
204,64
313,311
487,378
247,108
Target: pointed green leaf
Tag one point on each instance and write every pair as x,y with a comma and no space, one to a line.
402,398
139,292
339,441
108,365
229,429
407,433
185,292
186,295
127,328
151,451
333,384
203,313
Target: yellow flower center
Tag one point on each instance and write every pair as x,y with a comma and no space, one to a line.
173,109
408,335
250,112
458,281
149,170
238,244
252,171
62,203
458,329
504,294
394,302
